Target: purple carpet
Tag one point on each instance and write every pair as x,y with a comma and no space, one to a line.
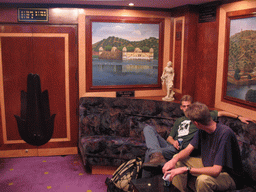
55,173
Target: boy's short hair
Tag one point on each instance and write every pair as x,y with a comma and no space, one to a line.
186,98
198,112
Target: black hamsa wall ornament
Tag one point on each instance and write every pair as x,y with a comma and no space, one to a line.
35,123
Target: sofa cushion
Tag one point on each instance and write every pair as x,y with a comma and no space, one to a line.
125,117
113,147
246,136
105,124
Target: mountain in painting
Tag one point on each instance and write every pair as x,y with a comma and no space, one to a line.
242,51
120,43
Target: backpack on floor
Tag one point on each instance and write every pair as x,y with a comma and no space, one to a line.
121,179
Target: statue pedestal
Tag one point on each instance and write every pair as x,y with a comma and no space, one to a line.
169,98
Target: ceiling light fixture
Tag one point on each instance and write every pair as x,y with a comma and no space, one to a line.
131,4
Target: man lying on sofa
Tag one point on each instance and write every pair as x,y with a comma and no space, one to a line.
160,150
220,163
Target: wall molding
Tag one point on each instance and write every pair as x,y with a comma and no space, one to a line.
178,62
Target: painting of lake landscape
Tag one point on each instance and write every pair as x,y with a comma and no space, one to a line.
241,73
125,54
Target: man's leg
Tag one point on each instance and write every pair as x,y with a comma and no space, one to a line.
154,143
206,183
180,181
146,173
153,140
169,151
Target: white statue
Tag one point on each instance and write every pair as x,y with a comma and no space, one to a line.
167,78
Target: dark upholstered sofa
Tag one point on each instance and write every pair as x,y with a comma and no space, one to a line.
111,131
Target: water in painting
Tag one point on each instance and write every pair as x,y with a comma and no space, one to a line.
132,72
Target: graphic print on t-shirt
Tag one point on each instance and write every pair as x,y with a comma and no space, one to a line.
184,128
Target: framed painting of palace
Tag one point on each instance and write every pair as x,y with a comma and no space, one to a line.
123,53
239,80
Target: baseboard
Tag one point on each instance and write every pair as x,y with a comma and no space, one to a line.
58,151
18,153
103,170
38,152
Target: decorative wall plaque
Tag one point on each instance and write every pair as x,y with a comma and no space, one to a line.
207,14
33,14
125,94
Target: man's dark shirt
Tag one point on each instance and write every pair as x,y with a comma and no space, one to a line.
219,148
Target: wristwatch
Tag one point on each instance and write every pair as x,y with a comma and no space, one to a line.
188,169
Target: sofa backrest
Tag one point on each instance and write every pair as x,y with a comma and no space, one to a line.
246,136
125,117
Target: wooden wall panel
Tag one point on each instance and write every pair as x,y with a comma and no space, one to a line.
190,52
65,100
184,50
51,52
50,66
206,67
8,15
14,50
198,76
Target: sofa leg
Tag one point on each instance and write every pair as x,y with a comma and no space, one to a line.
88,168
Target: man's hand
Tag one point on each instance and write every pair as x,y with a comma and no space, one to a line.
244,119
168,166
175,172
181,155
176,145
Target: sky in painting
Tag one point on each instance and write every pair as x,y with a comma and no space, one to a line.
128,31
238,25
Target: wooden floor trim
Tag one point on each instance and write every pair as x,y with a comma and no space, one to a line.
103,170
38,152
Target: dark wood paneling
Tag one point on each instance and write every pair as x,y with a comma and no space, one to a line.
49,60
200,56
8,15
190,52
206,67
15,51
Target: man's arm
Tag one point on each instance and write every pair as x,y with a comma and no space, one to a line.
228,114
213,171
175,143
181,155
168,168
173,133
